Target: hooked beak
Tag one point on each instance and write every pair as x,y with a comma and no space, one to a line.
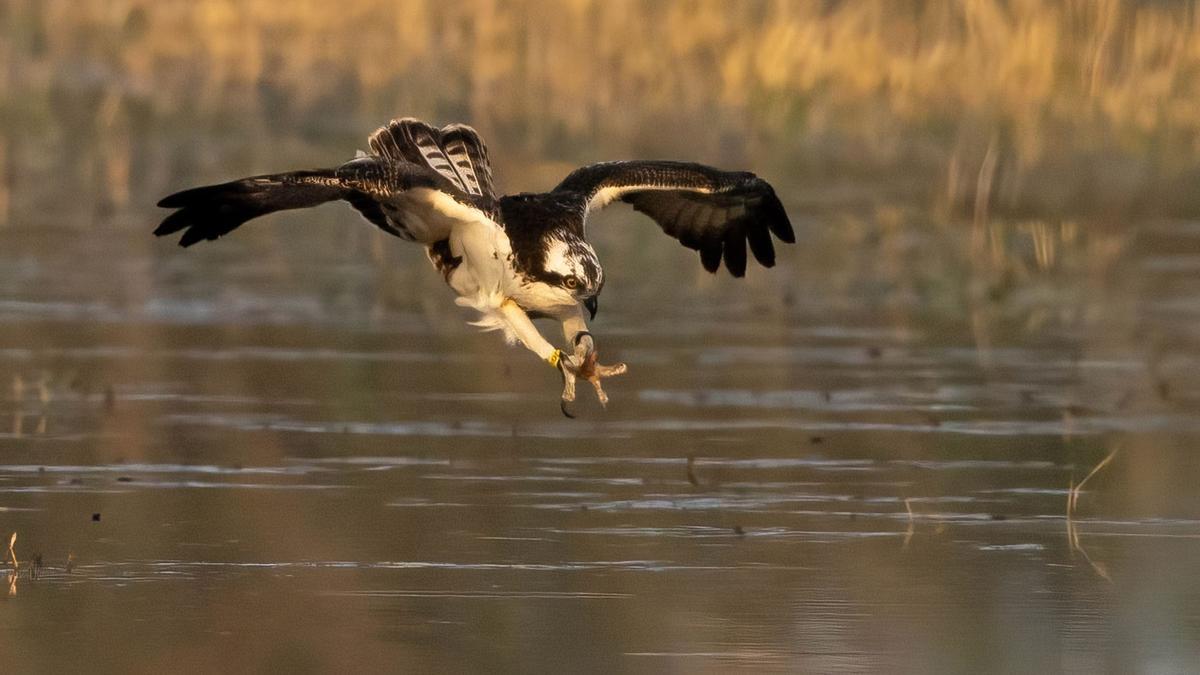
592,306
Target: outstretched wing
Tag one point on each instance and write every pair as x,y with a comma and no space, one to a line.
455,152
711,211
386,192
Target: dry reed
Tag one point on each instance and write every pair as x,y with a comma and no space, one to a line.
1007,103
1073,539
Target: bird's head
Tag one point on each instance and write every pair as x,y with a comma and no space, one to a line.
573,272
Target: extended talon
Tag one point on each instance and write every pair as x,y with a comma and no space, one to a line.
568,394
599,371
585,366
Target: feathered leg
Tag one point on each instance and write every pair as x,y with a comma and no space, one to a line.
521,326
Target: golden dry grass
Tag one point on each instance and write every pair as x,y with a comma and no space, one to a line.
1039,90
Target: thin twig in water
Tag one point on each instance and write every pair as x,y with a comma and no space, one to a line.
912,523
1103,463
12,576
1071,513
1097,567
1073,493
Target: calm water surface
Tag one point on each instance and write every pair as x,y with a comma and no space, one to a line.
288,451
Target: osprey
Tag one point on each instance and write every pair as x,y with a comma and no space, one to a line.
513,257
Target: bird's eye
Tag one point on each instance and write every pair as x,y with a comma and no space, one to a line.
572,282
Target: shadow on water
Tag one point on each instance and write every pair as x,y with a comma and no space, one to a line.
287,450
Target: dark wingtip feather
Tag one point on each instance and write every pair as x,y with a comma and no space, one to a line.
180,199
201,223
735,253
173,223
194,196
777,219
194,235
760,245
710,257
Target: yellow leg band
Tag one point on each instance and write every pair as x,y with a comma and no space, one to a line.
554,358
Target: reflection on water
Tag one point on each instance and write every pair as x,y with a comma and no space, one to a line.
287,451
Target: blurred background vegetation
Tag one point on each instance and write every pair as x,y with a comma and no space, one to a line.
1000,106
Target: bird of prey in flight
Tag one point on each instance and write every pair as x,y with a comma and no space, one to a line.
513,257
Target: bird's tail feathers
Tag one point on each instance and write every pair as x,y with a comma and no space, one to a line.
456,152
212,211
469,155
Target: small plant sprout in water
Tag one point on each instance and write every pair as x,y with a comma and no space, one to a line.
1073,492
912,523
12,556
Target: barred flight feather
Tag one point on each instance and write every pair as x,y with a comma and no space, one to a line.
456,152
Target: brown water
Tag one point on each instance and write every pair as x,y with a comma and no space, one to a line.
287,452
303,459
